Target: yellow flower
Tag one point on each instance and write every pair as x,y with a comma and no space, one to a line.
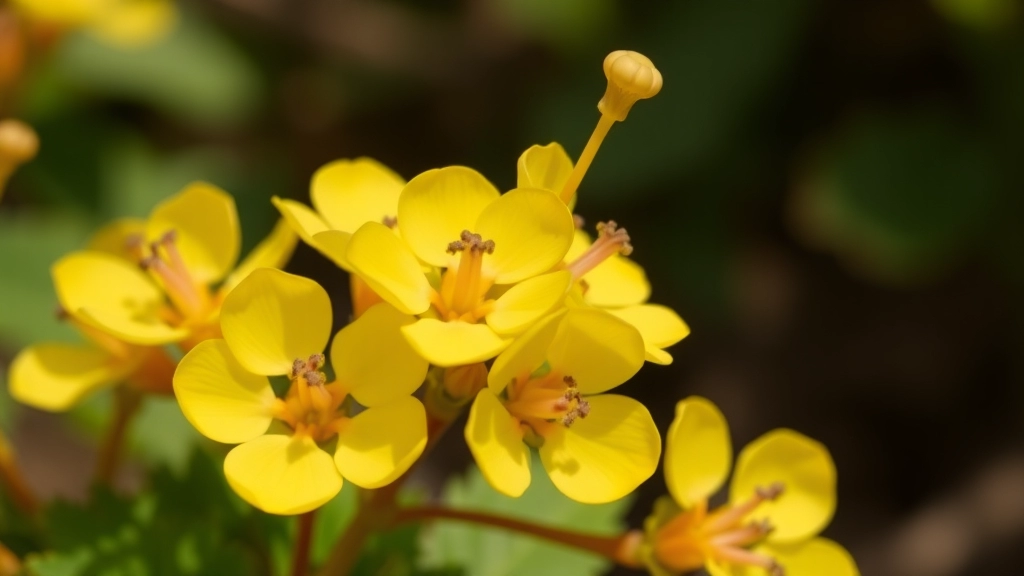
277,324
495,250
546,391
189,243
782,495
124,23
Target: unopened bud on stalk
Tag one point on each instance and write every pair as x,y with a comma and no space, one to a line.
18,144
631,77
463,382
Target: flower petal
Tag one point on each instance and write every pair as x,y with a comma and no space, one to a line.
807,473
135,24
114,296
114,238
221,399
526,354
496,441
699,452
282,474
606,455
391,270
350,193
273,318
205,220
814,558
531,229
597,349
526,302
454,343
545,167
436,206
305,222
381,443
334,245
273,252
54,377
374,361
659,326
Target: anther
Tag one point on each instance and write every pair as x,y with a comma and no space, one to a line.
578,221
133,244
772,492
315,378
612,232
776,569
315,362
297,367
390,221
611,241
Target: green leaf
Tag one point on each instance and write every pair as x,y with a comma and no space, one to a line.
482,551
195,73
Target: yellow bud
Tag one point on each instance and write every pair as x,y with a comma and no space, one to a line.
631,77
18,144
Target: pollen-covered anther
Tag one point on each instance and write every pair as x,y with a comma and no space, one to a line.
315,378
578,221
390,221
772,492
610,231
611,241
472,242
574,403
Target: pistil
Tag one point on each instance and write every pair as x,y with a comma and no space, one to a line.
611,241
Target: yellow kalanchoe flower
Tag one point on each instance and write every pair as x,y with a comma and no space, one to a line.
189,244
471,263
275,324
546,391
123,23
782,495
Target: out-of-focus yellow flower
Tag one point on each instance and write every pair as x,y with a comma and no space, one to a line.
124,23
473,264
189,243
546,391
18,144
276,324
782,495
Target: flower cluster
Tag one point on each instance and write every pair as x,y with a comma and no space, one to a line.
464,298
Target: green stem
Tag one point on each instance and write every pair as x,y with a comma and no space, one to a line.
620,549
300,558
126,406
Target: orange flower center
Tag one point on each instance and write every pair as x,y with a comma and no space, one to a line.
311,405
695,536
464,285
546,401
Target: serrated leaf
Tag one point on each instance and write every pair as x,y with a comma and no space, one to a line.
483,551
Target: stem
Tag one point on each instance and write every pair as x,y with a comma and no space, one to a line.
14,481
376,513
620,549
600,131
126,405
300,559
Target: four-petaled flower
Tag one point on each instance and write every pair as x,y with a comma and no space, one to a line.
546,390
473,264
782,495
277,324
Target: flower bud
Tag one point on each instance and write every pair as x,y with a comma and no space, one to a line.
18,144
631,77
463,382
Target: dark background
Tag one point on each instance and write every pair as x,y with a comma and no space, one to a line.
828,192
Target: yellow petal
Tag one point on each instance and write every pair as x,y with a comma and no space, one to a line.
223,400
389,268
454,343
597,349
814,558
546,167
526,353
496,441
305,222
55,377
334,245
618,281
526,302
273,318
350,193
436,206
659,326
114,238
65,12
206,223
381,443
374,361
113,295
282,474
273,252
606,455
698,453
136,23
531,229
807,473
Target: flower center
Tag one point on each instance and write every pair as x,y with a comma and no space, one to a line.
311,405
611,241
190,299
690,539
464,285
546,401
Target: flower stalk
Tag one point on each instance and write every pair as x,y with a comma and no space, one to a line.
126,405
303,540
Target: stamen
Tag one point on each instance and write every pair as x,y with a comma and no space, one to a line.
578,221
133,244
187,297
463,294
611,241
747,558
721,521
548,399
390,221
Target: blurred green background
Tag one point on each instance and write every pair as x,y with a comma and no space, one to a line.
830,193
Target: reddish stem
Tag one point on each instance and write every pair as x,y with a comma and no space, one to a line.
303,541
